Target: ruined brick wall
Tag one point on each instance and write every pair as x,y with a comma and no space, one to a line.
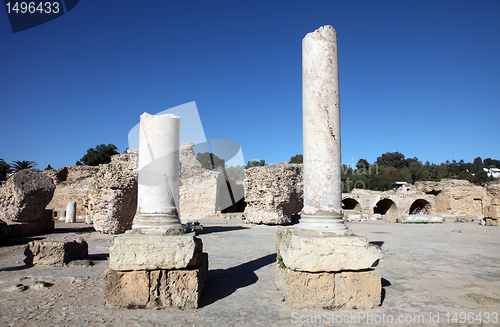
72,184
197,186
274,193
456,197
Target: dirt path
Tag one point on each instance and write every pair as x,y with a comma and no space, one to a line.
428,270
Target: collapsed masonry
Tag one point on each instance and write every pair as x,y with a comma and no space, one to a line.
23,199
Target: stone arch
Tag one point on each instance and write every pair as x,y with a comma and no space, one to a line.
386,207
420,206
350,204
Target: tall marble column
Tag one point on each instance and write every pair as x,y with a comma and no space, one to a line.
321,134
158,190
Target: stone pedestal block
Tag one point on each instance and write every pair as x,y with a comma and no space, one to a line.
160,288
348,289
140,252
55,253
327,272
329,254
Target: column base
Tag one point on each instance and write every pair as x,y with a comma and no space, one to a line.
324,224
157,224
150,252
346,289
156,289
327,272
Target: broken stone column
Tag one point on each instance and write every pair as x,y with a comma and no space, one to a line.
71,212
156,264
321,264
158,190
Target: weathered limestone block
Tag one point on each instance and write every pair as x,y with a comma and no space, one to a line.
25,195
141,252
416,219
111,201
55,253
178,288
329,254
358,289
274,193
348,289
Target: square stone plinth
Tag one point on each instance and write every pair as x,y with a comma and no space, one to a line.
153,252
160,288
348,289
328,254
55,253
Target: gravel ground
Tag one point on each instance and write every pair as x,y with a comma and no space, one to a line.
446,273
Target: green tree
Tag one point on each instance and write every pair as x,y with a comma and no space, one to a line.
21,165
4,170
298,159
491,163
393,159
101,154
256,163
481,177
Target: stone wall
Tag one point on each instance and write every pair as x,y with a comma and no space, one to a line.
456,197
203,192
111,200
274,193
72,184
197,186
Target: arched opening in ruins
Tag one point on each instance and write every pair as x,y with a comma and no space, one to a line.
420,206
350,204
386,207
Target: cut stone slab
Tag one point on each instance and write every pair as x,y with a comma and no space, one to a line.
348,289
55,253
329,254
150,252
422,219
178,288
358,289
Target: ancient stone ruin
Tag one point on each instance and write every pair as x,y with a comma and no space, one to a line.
111,200
273,194
23,199
320,263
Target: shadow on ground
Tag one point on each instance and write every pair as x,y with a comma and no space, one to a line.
385,283
224,282
98,256
220,229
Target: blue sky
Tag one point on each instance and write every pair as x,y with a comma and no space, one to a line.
418,77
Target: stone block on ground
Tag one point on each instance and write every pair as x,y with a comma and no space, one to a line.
12,229
55,253
349,289
160,288
329,254
358,289
422,219
283,235
139,252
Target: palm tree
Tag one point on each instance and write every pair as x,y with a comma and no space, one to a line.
4,170
20,165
